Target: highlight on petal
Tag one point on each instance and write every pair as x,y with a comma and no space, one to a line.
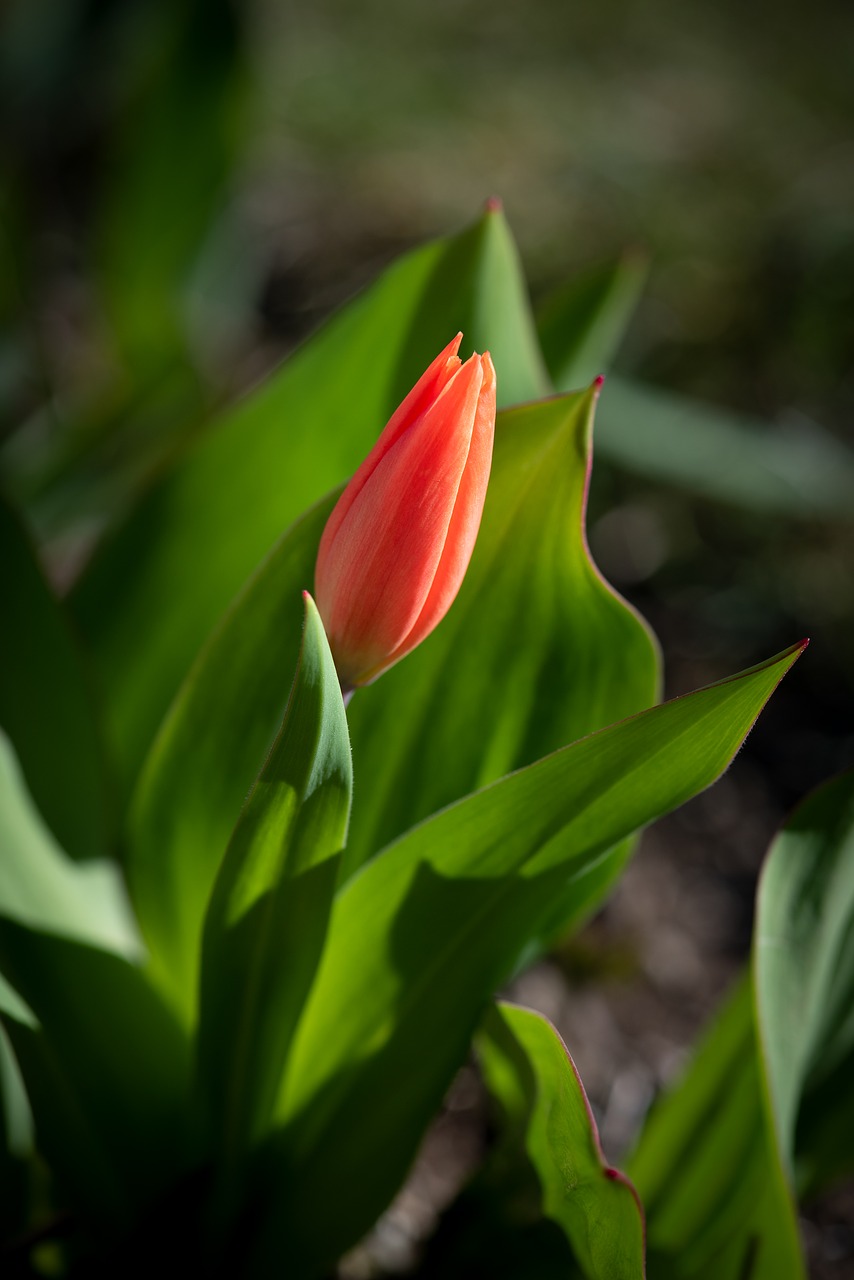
397,545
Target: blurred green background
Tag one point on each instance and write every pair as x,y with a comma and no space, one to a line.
188,187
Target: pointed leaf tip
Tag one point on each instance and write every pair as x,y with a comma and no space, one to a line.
494,205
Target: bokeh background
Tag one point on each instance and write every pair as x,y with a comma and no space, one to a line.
188,187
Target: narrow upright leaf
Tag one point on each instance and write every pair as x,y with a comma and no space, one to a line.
581,325
804,975
707,1167
270,907
209,750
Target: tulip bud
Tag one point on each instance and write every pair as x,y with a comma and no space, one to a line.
397,545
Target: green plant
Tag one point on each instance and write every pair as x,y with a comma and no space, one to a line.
232,1070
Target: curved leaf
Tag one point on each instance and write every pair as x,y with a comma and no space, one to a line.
536,652
106,1072
427,930
105,1068
41,887
533,619
205,526
547,1119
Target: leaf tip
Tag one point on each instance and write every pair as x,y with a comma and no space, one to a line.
494,204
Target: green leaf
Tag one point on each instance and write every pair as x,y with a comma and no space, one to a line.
208,752
268,915
582,325
106,1072
797,470
547,1121
428,929
536,652
42,684
203,529
804,975
708,1171
43,888
533,619
104,1066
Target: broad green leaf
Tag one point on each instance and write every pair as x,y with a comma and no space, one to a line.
42,684
41,887
209,750
581,325
205,526
804,975
106,1072
792,470
267,919
533,619
536,652
547,1121
104,1066
422,936
708,1171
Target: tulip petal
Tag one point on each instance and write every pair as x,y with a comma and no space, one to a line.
414,405
465,518
397,545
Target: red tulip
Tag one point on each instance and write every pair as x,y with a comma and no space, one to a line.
396,547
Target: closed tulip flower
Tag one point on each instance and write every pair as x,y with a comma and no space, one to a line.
398,543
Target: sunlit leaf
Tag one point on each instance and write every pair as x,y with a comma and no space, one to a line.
427,930
534,620
270,907
183,555
547,1120
209,751
536,652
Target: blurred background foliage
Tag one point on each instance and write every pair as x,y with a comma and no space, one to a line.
187,187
